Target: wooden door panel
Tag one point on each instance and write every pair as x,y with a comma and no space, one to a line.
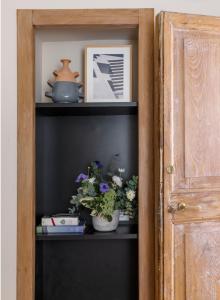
195,110
202,107
197,261
202,248
198,206
179,263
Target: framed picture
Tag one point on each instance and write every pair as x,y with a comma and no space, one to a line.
108,74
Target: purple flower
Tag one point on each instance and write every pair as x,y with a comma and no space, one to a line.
81,177
99,165
103,187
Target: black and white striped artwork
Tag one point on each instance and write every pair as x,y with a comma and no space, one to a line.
110,76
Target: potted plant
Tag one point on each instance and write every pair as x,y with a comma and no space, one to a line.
105,197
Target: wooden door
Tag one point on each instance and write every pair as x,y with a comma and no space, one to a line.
190,144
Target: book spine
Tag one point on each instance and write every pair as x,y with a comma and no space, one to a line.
54,221
63,229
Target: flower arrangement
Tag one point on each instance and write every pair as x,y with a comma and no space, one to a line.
103,196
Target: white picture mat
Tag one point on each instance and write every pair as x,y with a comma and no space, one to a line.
127,52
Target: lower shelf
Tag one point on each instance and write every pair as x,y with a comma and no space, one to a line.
123,232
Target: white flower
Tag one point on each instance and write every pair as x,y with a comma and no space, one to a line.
92,180
120,170
117,180
73,200
130,195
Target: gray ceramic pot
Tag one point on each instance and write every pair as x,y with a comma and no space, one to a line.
64,92
101,224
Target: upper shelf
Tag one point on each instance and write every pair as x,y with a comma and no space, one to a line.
102,108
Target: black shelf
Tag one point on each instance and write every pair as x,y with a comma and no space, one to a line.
123,232
102,108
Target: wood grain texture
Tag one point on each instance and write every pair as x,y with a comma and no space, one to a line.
202,248
84,17
193,118
165,99
193,22
199,206
196,261
158,159
25,159
197,271
179,256
202,126
190,49
146,154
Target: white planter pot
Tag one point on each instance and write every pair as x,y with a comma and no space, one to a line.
101,224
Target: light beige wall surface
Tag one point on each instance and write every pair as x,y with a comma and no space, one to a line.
9,104
53,44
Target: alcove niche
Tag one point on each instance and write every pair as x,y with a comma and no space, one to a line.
52,44
68,137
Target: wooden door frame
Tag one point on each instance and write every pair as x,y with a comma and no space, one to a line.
27,20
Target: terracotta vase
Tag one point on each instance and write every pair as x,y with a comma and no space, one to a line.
65,73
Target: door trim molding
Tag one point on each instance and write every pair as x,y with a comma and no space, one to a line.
27,21
25,157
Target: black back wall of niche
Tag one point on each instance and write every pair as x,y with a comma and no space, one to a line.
65,145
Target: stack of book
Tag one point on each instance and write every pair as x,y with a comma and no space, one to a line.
61,224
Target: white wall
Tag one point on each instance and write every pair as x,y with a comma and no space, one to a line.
9,102
52,44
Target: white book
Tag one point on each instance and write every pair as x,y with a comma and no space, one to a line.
58,221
